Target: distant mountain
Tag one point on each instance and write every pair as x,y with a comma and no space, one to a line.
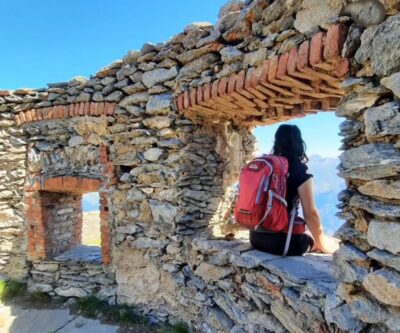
327,185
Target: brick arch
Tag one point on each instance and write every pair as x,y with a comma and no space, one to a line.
304,80
93,109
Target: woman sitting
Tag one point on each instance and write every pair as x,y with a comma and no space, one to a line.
289,143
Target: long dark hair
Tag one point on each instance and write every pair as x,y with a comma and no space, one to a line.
290,144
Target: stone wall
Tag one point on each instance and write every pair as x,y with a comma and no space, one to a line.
71,277
165,131
13,149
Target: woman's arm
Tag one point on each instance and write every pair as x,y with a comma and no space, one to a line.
322,243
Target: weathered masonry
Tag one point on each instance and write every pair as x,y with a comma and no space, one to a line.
162,134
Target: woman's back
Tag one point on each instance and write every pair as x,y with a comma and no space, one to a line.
297,176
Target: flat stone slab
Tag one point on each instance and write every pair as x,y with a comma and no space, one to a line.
84,325
16,319
312,269
82,253
303,269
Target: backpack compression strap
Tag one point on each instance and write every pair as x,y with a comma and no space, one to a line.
271,195
291,223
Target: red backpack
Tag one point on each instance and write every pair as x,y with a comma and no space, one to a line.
261,200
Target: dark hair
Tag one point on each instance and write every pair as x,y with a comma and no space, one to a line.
289,143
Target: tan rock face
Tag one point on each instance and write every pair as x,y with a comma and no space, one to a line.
384,285
309,17
384,235
139,281
382,188
211,272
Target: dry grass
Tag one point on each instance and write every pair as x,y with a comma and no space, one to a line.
91,228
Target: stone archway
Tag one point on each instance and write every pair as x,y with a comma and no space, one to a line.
305,79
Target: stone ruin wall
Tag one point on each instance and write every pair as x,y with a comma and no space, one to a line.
165,178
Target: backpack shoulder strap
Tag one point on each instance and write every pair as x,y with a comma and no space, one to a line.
291,223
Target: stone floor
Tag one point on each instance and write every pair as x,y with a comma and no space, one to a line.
82,253
16,319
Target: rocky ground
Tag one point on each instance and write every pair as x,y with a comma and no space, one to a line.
22,312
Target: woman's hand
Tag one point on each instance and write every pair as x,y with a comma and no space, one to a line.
327,245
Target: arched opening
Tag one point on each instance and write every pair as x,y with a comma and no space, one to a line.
320,133
91,234
56,215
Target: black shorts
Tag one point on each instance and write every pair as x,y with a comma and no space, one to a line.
274,243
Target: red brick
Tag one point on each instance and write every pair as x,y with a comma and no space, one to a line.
111,109
291,65
193,96
34,115
86,109
207,91
316,48
103,150
69,183
93,185
50,113
45,113
95,109
106,258
223,86
81,109
325,104
240,81
54,114
76,109
60,111
65,111
273,67
303,56
264,71
232,84
104,216
282,65
17,120
179,102
39,114
199,94
101,109
71,110
22,117
186,100
247,82
214,89
28,116
335,39
91,108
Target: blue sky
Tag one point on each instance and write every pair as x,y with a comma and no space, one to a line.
319,131
54,40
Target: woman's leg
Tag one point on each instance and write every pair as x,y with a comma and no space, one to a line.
275,243
300,244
